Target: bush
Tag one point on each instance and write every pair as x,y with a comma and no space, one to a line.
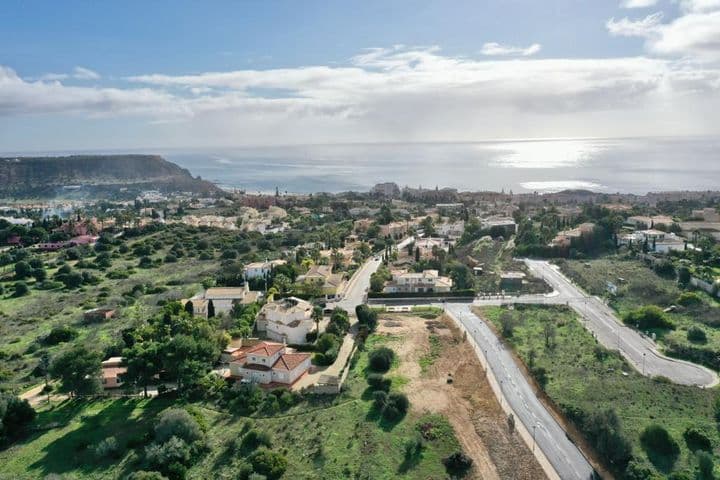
396,406
143,475
166,456
696,334
254,439
176,422
381,359
60,334
108,448
268,463
457,464
21,289
647,317
697,440
706,466
689,299
656,439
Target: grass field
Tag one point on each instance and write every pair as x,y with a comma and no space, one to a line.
639,285
326,437
583,375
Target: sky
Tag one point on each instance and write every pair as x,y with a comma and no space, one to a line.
81,75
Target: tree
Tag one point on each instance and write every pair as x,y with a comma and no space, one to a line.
282,283
604,433
14,415
706,466
21,289
339,322
381,359
683,275
144,361
210,309
317,316
457,464
189,307
22,270
657,440
366,316
549,332
269,463
40,274
78,370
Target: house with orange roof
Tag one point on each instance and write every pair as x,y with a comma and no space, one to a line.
268,363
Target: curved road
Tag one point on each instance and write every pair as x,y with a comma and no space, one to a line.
600,319
565,457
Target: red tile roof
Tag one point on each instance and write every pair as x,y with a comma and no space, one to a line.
265,349
290,361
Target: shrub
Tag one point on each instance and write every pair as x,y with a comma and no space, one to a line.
164,455
108,448
696,334
143,475
457,464
656,439
689,299
649,316
697,440
706,466
268,463
21,289
379,399
396,406
381,359
60,334
176,422
254,439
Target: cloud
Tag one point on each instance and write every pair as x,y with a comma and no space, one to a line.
635,28
638,3
78,73
497,49
695,33
82,73
396,93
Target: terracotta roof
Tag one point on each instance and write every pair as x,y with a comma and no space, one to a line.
266,349
290,361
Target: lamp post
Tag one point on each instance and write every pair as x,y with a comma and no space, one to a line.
643,370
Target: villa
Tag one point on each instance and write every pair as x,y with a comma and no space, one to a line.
112,372
331,284
425,282
268,363
288,320
261,269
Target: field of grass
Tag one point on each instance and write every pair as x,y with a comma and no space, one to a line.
639,285
583,375
321,437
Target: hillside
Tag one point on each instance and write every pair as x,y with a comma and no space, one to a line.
93,174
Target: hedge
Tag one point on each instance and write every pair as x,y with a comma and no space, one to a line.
454,294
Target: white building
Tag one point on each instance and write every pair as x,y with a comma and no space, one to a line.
450,230
267,363
260,269
288,320
425,282
657,240
223,298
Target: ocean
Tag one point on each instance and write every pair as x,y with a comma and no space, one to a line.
629,165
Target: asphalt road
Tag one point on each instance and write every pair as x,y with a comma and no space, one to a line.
358,285
639,350
565,457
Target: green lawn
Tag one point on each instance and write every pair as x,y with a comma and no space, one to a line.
583,375
322,437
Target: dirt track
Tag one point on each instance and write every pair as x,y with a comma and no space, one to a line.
468,402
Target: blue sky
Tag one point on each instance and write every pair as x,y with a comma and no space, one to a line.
76,75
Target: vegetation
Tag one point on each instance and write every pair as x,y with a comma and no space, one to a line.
616,404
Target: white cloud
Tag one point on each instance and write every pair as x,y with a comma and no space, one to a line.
638,3
700,5
694,34
82,73
635,28
78,73
399,94
497,49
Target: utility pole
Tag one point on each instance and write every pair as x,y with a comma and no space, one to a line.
533,447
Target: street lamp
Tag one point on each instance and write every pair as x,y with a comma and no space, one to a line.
643,363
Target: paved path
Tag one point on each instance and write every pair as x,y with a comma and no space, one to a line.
560,452
600,319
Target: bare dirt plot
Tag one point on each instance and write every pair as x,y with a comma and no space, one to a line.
468,402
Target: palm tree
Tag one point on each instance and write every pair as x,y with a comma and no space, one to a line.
317,316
